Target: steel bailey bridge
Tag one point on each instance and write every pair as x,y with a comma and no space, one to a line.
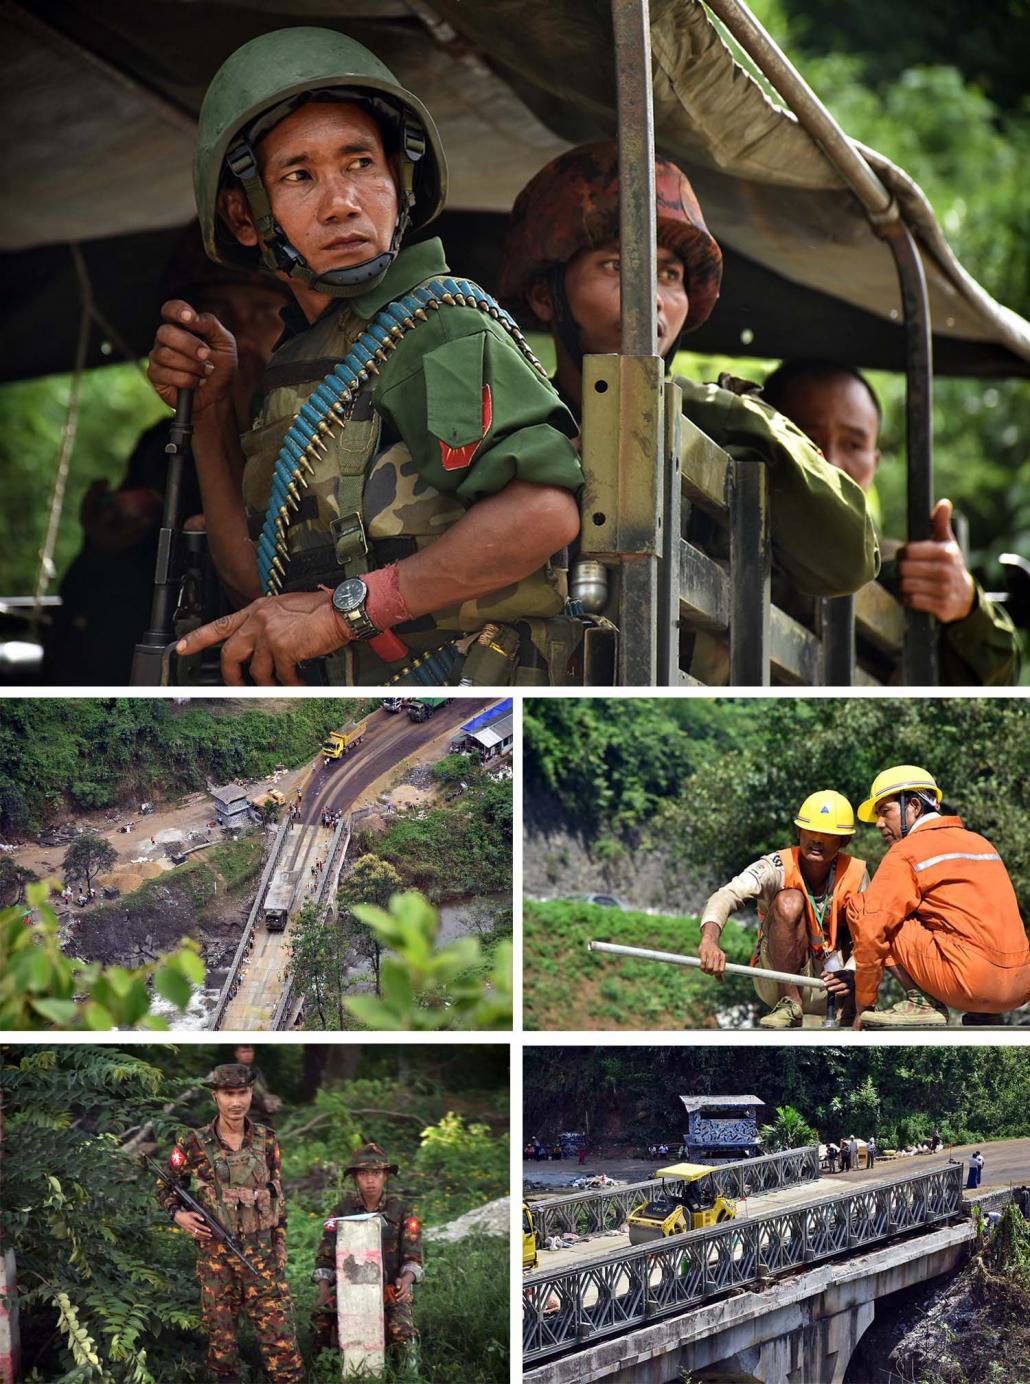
595,1211
575,1306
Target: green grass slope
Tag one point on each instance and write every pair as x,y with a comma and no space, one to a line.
567,987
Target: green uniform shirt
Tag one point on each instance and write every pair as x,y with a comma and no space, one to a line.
980,649
823,538
401,1238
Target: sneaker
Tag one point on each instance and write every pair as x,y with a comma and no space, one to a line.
787,1014
916,1011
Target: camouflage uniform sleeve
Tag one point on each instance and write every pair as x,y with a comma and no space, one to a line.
981,649
822,533
325,1259
185,1163
473,411
275,1174
411,1246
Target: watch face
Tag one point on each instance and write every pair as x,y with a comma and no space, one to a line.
350,595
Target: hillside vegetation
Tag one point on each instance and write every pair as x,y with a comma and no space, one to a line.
82,754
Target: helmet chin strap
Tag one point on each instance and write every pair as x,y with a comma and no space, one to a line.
280,256
903,808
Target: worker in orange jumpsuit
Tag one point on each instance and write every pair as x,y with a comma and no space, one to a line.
940,915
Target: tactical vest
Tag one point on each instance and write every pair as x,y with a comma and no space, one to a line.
848,875
246,1200
356,476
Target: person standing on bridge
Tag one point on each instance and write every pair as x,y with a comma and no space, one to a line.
235,1167
801,892
976,1168
941,915
402,1254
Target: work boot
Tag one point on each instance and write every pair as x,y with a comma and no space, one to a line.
915,1011
787,1014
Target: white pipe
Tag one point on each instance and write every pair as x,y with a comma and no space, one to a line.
757,972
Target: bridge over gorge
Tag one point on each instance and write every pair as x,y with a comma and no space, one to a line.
782,1296
256,993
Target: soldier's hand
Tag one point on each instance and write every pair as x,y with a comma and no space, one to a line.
272,635
403,1286
192,1224
324,1293
710,954
933,574
191,351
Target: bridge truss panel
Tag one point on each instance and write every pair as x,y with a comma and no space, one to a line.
599,1297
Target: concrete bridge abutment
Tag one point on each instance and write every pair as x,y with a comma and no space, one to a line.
800,1329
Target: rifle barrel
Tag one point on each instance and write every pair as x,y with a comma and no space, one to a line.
756,972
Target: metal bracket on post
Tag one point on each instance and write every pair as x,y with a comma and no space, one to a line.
838,638
750,563
622,524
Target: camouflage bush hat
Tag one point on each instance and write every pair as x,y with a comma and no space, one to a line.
369,1158
572,204
229,1076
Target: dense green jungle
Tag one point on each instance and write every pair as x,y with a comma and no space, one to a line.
106,1285
629,1096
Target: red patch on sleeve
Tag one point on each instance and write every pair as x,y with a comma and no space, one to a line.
412,1226
176,1159
457,458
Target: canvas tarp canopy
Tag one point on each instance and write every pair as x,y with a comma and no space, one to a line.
103,98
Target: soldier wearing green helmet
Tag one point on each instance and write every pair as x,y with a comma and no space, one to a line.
411,474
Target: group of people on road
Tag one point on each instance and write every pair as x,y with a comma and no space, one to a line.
411,478
940,915
232,1166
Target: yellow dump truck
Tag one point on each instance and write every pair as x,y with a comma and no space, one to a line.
689,1203
341,742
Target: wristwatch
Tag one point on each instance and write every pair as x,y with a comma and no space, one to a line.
349,603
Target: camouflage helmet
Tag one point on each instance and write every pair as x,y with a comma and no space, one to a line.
572,204
263,82
229,1076
369,1158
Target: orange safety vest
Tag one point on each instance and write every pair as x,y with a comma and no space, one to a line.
848,875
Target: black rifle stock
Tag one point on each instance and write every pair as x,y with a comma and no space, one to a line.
190,1203
150,659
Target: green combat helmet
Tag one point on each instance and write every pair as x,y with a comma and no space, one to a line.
260,85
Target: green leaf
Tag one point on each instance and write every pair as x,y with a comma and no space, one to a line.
192,966
59,1012
95,1016
173,986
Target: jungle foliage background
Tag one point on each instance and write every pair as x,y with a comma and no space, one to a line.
939,89
629,1096
101,1271
81,754
709,785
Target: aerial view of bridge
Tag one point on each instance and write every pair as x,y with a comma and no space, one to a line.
308,856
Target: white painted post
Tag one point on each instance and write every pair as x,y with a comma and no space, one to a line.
10,1345
359,1295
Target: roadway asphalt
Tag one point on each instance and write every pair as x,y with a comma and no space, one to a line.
1006,1163
390,738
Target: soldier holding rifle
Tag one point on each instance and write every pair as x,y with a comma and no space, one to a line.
233,1165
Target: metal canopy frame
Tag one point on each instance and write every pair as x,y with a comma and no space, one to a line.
649,443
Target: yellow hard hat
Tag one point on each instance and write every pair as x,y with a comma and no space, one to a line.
826,811
902,778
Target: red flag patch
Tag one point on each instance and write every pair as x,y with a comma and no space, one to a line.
457,458
176,1159
411,1225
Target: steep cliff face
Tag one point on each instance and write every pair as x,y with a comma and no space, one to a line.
559,862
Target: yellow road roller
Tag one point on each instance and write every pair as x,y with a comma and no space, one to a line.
686,1201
